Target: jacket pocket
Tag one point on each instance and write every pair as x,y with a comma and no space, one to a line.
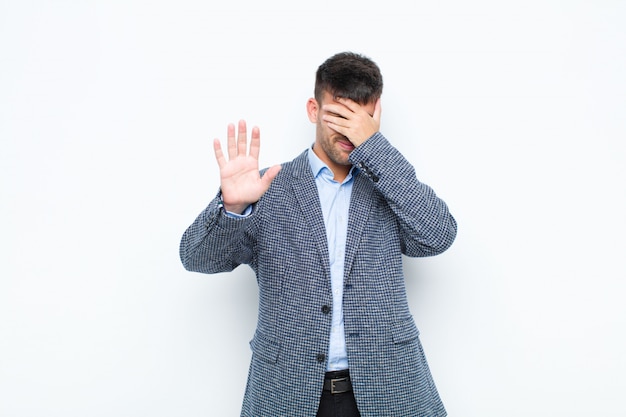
404,331
265,348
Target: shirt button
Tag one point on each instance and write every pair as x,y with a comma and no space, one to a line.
325,309
321,357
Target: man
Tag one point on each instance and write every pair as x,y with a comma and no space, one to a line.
325,234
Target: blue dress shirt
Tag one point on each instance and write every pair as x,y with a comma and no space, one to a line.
335,202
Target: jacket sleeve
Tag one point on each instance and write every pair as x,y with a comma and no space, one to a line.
215,242
426,226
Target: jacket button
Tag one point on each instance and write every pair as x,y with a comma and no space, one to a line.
321,357
325,309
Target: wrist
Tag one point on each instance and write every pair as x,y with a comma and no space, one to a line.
231,208
235,208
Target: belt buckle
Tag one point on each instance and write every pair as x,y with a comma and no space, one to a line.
332,385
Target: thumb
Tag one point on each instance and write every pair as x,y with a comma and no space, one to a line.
269,176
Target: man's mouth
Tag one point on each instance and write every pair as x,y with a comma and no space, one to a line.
345,144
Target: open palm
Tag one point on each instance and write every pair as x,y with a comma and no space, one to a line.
241,182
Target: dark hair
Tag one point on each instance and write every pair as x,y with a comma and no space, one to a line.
349,75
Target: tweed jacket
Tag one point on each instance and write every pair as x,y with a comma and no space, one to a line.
284,241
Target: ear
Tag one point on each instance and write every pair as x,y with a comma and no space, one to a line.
312,109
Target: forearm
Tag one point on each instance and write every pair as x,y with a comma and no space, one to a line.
214,242
426,224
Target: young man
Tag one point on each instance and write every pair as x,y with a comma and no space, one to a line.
325,234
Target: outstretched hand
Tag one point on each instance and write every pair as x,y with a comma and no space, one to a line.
240,180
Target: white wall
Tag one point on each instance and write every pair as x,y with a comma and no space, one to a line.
513,111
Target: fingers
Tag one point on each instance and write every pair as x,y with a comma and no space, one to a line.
351,105
219,155
340,115
232,144
255,143
355,121
237,146
346,107
339,111
242,134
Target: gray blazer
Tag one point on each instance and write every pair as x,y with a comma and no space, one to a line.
284,242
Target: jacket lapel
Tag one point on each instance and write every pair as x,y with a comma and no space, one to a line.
308,198
360,207
307,195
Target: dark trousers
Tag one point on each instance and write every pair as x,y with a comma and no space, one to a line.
337,405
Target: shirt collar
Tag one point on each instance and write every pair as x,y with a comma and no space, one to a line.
318,167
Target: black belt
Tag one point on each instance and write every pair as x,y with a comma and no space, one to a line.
337,382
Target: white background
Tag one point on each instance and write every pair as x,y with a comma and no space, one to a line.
514,112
